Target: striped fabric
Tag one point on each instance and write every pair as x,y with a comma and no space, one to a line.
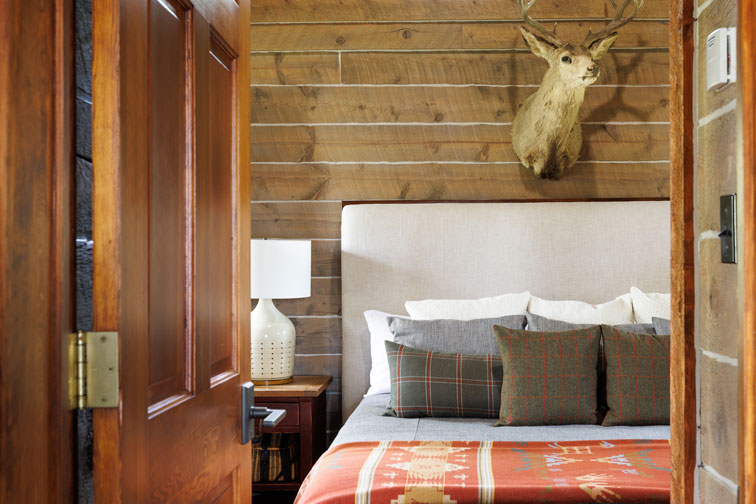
548,377
435,384
637,378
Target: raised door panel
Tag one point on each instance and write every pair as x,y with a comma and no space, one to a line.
168,186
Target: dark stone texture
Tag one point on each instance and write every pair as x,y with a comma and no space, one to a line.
83,128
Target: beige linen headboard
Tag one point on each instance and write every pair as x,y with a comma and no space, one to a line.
589,251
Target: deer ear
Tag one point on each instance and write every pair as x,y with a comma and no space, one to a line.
600,47
537,45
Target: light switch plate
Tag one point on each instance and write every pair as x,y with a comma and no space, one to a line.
728,223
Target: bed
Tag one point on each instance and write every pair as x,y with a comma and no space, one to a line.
589,251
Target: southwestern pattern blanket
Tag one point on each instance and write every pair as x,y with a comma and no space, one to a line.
456,472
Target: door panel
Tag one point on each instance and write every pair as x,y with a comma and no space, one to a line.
169,93
181,199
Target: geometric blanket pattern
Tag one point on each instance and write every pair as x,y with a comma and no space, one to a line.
456,472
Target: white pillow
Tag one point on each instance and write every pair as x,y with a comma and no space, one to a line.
380,378
469,309
617,311
648,305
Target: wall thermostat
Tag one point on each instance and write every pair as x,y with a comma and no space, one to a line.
721,65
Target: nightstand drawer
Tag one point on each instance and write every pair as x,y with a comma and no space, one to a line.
292,413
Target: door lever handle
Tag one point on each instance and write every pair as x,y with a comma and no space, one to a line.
271,417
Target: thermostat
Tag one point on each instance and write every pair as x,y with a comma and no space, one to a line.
721,65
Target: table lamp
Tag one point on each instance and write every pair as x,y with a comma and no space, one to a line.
279,269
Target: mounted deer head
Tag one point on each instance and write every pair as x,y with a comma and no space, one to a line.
546,133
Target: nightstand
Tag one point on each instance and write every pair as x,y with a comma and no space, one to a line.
305,403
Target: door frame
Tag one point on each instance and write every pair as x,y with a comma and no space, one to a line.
747,402
683,432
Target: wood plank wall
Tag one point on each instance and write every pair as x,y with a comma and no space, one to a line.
413,100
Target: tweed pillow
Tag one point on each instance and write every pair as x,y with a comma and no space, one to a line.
436,384
539,323
662,325
637,378
473,337
548,377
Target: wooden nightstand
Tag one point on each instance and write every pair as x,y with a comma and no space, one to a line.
305,403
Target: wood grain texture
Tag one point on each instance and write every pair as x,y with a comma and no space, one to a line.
296,220
350,104
37,430
476,143
682,345
747,402
510,68
304,386
430,181
318,335
324,300
311,68
326,256
403,10
318,365
408,36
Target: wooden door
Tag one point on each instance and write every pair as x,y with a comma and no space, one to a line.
37,444
171,246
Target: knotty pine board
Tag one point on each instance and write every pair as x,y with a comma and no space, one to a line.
435,36
431,10
398,104
475,143
432,181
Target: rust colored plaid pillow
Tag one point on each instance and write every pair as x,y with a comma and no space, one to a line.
548,377
436,384
637,378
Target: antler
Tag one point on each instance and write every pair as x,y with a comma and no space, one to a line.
549,35
616,23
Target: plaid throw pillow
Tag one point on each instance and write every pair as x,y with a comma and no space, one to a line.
435,384
548,377
637,378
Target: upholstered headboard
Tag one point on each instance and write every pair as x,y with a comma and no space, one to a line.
589,251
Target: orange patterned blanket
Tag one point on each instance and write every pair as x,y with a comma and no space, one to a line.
448,472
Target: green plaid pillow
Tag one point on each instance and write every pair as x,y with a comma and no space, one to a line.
637,378
548,377
436,384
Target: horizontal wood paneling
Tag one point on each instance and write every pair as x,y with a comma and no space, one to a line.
326,256
324,300
480,142
410,10
430,181
617,67
309,68
318,335
300,220
347,104
318,365
408,36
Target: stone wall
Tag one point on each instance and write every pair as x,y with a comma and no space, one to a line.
717,284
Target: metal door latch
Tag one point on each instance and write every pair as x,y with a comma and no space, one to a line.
271,417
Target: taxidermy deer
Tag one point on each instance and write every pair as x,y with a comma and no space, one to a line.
546,133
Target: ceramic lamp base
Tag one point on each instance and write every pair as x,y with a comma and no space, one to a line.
272,342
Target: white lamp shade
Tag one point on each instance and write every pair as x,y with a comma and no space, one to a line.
280,269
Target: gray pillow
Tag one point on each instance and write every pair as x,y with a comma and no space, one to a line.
471,337
662,326
539,323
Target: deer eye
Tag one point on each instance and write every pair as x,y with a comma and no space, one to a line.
566,59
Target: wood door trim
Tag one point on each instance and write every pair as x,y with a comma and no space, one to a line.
682,349
747,407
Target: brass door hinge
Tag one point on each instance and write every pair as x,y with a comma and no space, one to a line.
93,380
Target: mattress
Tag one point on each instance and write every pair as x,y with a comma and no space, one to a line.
367,423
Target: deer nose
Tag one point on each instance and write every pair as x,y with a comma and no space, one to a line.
593,69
